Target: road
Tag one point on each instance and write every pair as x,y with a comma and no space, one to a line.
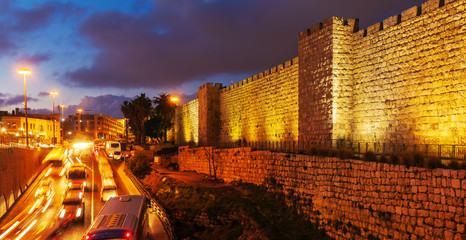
35,217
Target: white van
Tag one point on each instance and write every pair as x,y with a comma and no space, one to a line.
113,149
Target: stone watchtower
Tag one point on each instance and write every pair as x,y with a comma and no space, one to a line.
208,96
326,81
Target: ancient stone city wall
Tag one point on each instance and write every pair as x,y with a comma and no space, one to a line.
263,107
17,167
398,81
326,81
187,123
410,77
351,199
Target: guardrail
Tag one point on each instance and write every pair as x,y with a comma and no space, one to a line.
442,151
158,209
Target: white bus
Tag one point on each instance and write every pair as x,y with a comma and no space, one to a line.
113,149
122,217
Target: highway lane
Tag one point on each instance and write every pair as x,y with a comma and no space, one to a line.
31,220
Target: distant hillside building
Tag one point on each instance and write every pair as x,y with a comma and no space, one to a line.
93,126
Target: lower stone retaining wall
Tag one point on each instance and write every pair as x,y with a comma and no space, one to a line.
351,199
17,169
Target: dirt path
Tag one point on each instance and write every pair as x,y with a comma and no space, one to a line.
192,178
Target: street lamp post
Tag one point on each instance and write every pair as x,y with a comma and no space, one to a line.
53,93
79,119
62,107
126,126
25,72
62,127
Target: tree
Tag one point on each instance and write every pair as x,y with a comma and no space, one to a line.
137,111
165,110
154,128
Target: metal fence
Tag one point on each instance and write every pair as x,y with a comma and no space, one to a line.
159,210
442,151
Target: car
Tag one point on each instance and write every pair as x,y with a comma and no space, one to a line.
77,174
43,194
72,209
76,185
45,188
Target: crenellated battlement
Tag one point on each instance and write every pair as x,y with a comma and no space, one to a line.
351,23
425,8
263,74
210,85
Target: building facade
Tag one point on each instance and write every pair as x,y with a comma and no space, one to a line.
93,126
41,129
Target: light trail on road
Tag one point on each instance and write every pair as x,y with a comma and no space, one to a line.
9,229
34,218
26,230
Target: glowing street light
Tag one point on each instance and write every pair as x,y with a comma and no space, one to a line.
25,72
174,100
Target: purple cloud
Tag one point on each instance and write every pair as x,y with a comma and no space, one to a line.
5,41
43,94
40,111
40,15
7,100
33,60
19,20
108,105
181,41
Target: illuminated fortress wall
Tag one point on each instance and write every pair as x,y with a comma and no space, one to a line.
263,107
402,80
326,81
187,123
410,77
209,113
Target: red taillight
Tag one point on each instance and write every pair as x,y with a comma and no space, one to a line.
88,237
128,234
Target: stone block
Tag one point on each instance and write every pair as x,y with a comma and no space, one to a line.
439,223
460,228
449,234
455,183
446,173
391,21
459,236
422,189
430,6
410,13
